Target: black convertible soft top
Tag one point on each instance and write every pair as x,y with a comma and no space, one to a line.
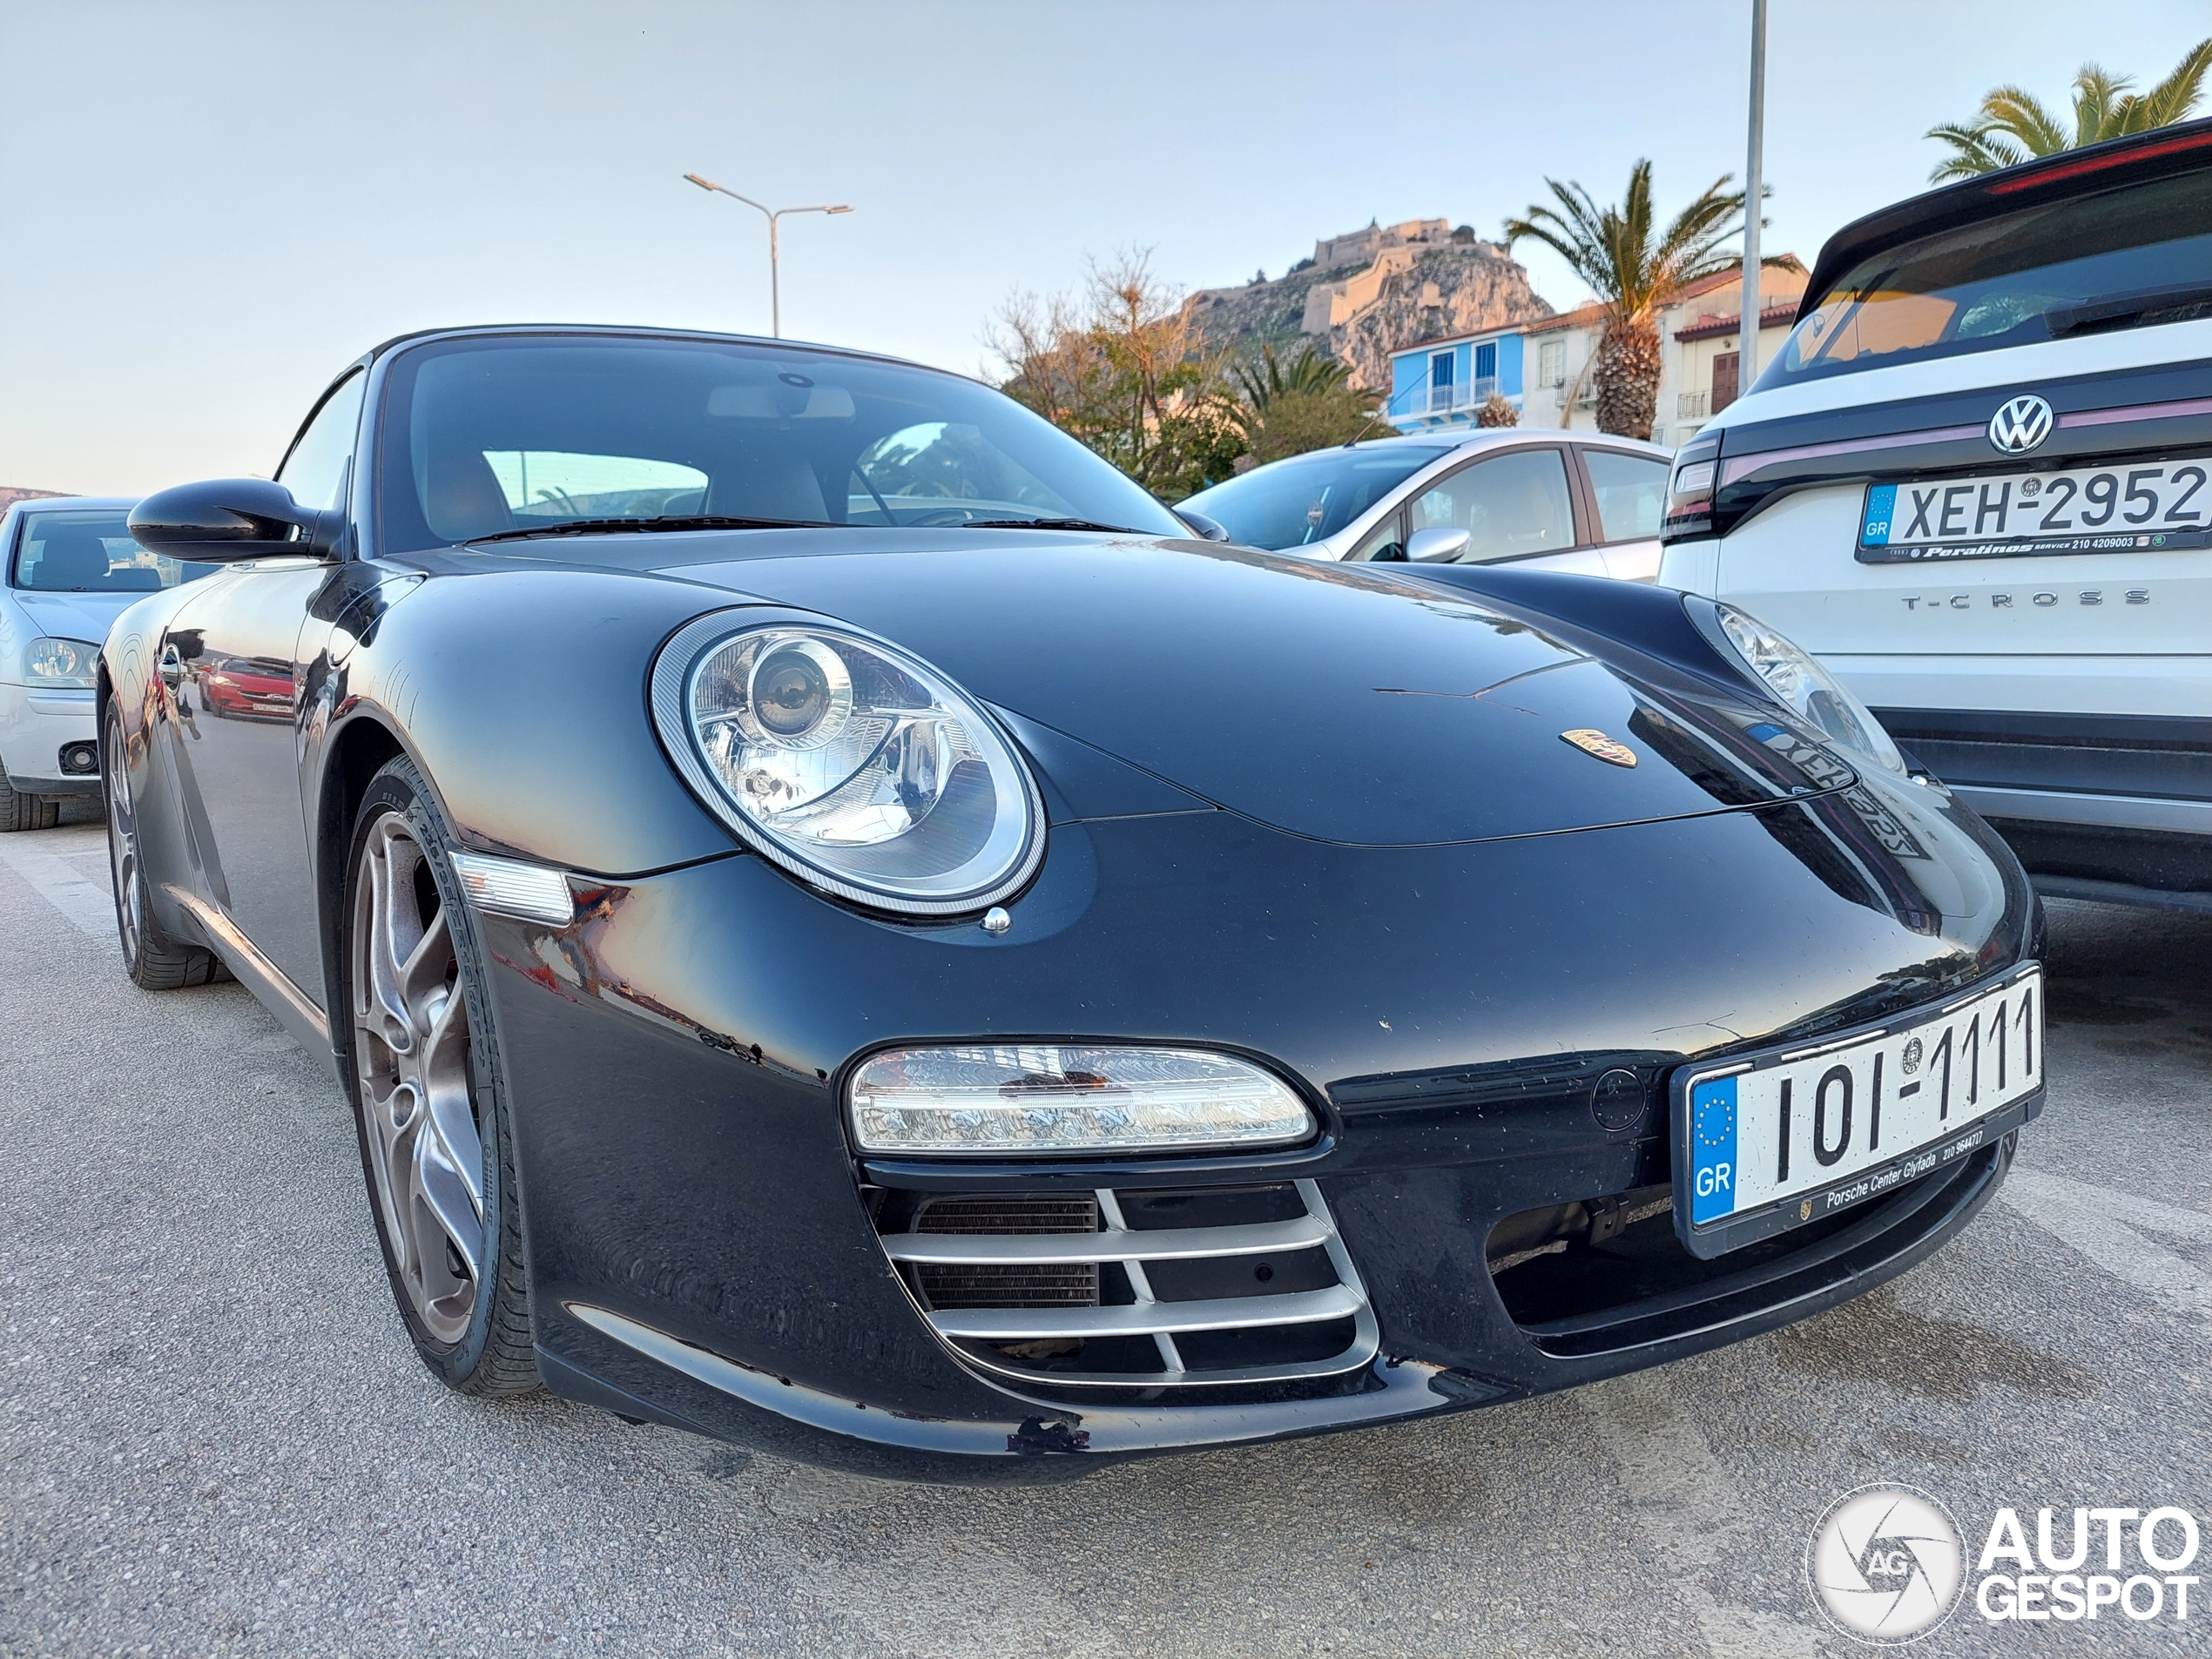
2180,148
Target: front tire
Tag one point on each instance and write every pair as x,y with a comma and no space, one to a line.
155,962
429,1102
21,812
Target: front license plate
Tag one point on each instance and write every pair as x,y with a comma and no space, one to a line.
2010,515
1779,1139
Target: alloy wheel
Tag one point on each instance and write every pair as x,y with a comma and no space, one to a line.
123,846
411,1064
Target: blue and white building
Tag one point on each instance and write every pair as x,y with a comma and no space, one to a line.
1436,384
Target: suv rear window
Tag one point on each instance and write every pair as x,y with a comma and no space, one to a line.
2115,258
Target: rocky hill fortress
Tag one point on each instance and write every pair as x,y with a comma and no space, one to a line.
1369,292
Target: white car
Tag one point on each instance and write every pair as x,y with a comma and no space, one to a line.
1555,501
70,570
1977,483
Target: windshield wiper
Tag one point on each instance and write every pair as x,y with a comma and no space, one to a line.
1042,524
2125,310
626,526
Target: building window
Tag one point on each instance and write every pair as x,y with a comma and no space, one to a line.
1444,394
1551,363
1726,366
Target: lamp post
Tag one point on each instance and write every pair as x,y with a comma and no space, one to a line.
1748,359
775,278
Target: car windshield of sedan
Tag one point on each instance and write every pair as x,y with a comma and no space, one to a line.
498,435
1291,504
82,552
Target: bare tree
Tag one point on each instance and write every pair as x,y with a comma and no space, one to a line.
1121,366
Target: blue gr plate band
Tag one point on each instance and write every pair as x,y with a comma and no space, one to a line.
1881,510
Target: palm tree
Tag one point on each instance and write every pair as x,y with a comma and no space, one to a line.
2012,125
1271,378
1285,408
1635,274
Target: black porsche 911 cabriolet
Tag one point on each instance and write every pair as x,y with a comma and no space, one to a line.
847,927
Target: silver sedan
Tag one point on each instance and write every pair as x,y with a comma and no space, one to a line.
1581,502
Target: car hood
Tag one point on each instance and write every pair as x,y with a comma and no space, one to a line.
73,616
1336,702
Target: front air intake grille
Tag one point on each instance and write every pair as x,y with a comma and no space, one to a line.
946,1285
1171,1288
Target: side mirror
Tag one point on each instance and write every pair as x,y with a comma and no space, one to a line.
1205,528
229,521
1438,544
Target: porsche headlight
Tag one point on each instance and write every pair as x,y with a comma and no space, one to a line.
1802,683
59,663
851,763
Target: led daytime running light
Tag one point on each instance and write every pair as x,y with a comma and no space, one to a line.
1024,1100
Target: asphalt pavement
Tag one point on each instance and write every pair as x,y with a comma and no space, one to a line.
217,1439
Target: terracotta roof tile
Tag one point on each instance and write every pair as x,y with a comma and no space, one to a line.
1770,317
1585,316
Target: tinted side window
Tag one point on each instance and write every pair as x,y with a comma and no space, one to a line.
1386,541
1631,493
316,467
1511,505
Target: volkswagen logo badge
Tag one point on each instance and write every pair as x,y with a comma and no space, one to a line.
2020,425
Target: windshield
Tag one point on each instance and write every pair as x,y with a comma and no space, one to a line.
2121,258
91,552
482,437
1290,504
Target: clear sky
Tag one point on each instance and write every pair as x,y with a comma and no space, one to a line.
207,209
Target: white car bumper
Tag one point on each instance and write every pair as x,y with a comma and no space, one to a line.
35,727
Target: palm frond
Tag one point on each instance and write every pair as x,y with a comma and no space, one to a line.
2015,111
1970,152
2012,125
1259,384
2098,97
2175,97
1587,255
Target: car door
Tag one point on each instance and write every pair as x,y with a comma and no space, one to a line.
1627,494
237,742
1517,506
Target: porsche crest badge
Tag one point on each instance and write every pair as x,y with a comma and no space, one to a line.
1596,743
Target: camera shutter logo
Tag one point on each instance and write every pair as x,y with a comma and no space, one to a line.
2020,425
1886,1564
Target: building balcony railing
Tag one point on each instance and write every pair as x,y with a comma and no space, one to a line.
1443,399
1689,406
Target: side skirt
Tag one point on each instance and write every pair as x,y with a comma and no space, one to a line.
291,1006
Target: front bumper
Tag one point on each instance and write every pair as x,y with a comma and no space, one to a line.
701,1242
37,726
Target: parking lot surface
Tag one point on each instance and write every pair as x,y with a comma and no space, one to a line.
218,1439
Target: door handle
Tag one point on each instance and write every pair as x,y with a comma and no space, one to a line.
172,668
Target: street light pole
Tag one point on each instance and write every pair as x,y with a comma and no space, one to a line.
1747,359
775,275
